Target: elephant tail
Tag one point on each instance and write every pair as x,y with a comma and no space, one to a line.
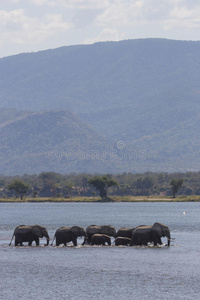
53,240
11,239
14,233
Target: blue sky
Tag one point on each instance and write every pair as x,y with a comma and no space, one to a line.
34,25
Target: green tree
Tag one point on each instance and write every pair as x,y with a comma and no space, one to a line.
68,188
144,185
2,182
19,186
51,180
102,184
176,184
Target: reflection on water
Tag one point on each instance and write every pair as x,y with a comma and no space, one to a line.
95,272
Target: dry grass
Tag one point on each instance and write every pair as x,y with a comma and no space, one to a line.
192,198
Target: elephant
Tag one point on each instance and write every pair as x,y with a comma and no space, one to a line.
100,239
103,229
24,233
143,235
121,240
125,232
65,235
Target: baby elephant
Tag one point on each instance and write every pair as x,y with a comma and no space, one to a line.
121,240
100,239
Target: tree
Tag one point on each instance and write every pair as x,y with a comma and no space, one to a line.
176,184
51,180
19,186
68,188
102,184
144,185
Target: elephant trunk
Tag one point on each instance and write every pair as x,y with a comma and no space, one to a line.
85,238
169,238
47,242
48,239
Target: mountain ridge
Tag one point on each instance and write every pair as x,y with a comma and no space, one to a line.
122,91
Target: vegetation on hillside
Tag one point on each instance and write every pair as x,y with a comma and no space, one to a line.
140,95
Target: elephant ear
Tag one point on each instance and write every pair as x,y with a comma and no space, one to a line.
159,228
75,230
37,230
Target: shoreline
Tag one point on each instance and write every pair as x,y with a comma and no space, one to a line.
114,199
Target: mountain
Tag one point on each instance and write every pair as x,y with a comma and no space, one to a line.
174,149
139,98
49,141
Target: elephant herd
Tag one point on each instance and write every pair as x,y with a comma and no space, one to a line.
94,235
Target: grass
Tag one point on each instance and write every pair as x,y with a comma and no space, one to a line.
192,198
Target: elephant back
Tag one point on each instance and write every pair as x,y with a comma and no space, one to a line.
141,228
21,229
108,230
121,240
125,232
100,239
93,229
62,230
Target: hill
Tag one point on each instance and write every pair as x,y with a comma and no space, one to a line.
141,93
32,142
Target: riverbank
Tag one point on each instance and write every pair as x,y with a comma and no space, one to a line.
111,199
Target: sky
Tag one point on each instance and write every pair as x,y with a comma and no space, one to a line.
35,25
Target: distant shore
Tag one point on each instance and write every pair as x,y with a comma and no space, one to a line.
97,199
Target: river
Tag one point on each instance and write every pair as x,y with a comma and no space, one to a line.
101,272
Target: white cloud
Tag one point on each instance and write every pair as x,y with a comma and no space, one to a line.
184,16
16,27
72,4
9,1
107,34
35,2
84,4
118,14
127,13
181,13
43,2
11,20
165,13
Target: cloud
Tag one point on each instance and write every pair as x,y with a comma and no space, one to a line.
71,4
136,12
107,34
9,1
84,4
164,13
11,20
43,2
184,15
35,2
18,28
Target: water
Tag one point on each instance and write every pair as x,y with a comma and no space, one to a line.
98,272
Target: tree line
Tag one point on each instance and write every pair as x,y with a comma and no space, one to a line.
52,184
